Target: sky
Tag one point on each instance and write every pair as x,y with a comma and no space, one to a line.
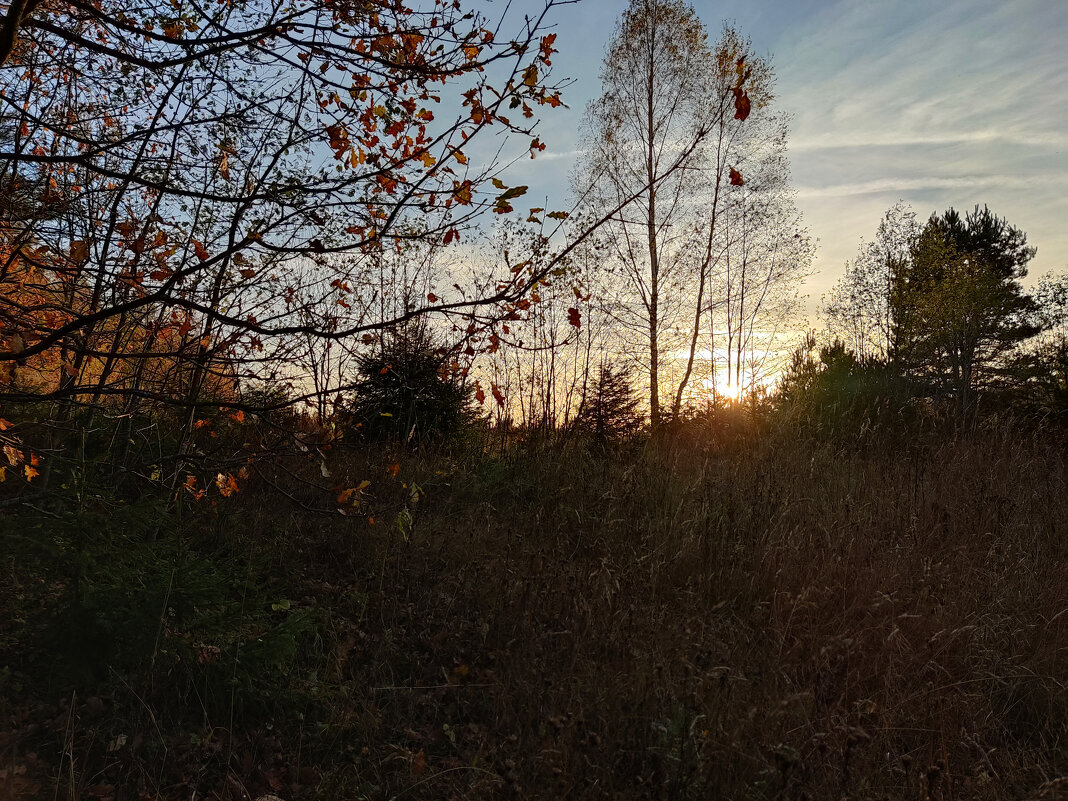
951,103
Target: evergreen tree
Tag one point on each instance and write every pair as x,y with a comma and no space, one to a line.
405,391
611,409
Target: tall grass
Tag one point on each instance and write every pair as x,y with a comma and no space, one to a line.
771,618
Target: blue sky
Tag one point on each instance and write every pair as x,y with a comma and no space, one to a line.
939,104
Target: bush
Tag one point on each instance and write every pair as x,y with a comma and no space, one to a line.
405,390
838,393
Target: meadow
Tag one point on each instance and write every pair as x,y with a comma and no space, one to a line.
734,610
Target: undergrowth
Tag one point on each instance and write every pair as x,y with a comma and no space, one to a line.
773,618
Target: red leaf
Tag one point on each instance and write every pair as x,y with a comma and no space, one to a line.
736,178
431,297
742,106
199,249
574,318
498,395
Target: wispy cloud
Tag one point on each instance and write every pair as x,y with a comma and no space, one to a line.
897,186
873,140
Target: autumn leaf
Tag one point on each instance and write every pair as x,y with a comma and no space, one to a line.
511,194
530,75
497,395
31,472
344,495
736,178
574,318
200,251
419,762
431,297
547,48
742,106
393,469
79,251
462,192
226,483
480,394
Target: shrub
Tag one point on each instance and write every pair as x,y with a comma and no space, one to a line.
405,390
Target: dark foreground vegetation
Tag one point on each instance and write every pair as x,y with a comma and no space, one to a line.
734,611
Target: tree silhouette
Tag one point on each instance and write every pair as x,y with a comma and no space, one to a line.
611,410
405,391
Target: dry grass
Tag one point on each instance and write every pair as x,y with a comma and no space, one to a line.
780,620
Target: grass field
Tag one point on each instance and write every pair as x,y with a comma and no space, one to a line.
761,617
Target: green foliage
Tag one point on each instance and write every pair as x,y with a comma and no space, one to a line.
829,390
963,307
405,390
943,304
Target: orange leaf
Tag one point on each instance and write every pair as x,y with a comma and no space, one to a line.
393,469
497,395
462,192
431,297
742,106
30,472
198,248
419,763
227,484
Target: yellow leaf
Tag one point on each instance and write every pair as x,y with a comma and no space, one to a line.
31,473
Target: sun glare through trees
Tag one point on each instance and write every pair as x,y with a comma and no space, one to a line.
413,401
